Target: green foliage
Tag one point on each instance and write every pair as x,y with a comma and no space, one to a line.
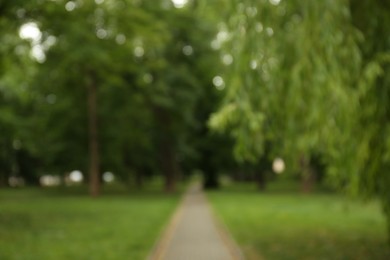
284,64
309,77
145,61
15,99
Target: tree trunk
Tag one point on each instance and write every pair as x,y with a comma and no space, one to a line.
261,170
139,180
5,163
261,180
210,180
3,179
168,166
168,162
386,210
308,178
210,175
94,160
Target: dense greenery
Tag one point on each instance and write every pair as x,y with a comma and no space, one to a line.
122,86
128,86
308,82
288,225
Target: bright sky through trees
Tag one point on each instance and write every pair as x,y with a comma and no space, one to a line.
30,31
179,3
274,2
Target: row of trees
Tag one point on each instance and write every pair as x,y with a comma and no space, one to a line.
124,86
309,81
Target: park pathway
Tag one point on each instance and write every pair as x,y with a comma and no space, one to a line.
194,233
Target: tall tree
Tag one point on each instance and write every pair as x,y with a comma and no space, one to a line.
283,66
372,154
91,44
180,87
15,99
309,77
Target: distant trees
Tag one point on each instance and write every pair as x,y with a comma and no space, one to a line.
123,86
125,47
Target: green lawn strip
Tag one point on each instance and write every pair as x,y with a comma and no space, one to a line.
35,225
295,226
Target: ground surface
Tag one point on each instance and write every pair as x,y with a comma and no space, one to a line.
289,225
35,224
194,234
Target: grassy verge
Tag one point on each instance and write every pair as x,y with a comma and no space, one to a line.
50,224
294,226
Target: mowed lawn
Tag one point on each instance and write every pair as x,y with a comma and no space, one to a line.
37,224
278,225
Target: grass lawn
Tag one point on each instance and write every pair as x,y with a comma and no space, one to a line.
48,224
275,225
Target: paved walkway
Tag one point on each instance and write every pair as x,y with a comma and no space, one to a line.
193,233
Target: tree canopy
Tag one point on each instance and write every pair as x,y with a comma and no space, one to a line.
309,77
123,86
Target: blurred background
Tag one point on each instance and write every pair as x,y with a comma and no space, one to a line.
270,103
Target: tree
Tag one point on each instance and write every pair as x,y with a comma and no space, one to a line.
89,54
15,100
180,94
309,77
123,92
271,89
372,155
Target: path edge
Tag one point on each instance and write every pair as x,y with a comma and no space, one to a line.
165,236
224,233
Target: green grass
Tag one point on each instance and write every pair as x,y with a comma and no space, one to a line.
290,225
57,224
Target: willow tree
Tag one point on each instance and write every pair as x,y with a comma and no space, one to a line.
372,163
288,87
309,78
